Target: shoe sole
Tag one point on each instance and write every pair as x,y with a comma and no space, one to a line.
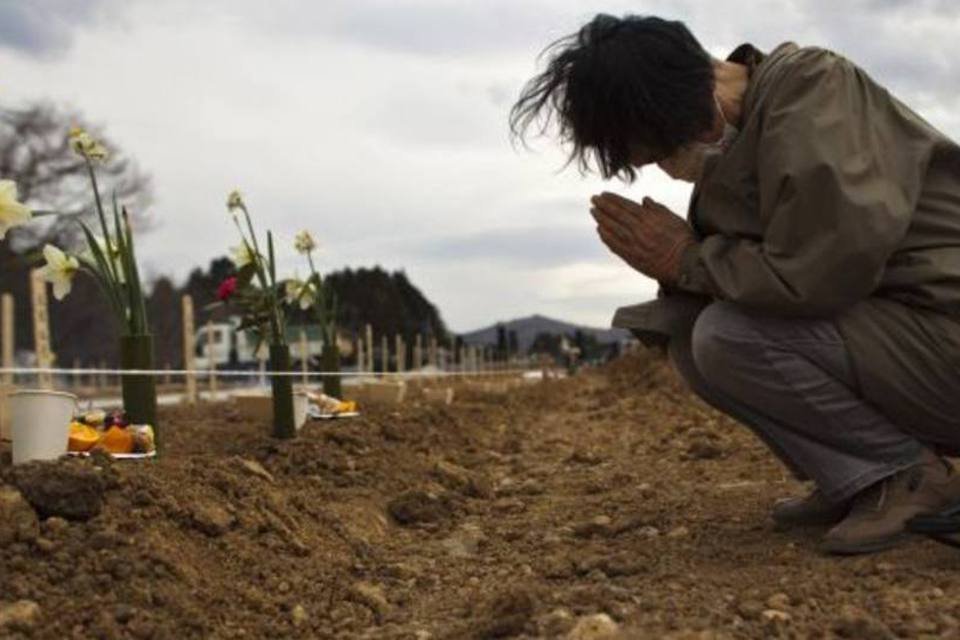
838,548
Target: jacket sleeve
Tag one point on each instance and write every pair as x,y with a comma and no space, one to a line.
836,192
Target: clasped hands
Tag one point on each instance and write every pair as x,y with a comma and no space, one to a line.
647,236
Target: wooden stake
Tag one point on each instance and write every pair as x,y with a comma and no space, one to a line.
384,354
361,359
369,334
167,378
189,359
434,355
41,327
304,357
418,352
211,361
7,336
102,377
400,351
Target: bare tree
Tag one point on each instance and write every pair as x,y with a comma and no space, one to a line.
36,154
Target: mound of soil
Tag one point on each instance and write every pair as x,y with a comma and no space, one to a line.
608,505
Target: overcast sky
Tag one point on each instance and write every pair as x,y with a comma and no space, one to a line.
381,125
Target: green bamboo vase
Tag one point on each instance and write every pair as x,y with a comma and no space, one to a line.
282,386
330,361
139,392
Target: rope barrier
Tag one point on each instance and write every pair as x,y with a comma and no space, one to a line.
227,373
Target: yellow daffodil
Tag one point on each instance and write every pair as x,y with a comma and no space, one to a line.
300,292
242,256
12,212
59,270
304,242
234,201
84,144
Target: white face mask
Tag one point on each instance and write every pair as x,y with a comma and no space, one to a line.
687,162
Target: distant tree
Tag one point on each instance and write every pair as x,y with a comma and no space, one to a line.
166,322
547,344
513,346
502,344
35,153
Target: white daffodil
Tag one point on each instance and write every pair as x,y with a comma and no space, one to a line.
304,242
12,212
234,201
297,291
59,270
84,144
242,255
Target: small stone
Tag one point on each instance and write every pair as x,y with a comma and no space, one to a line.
18,521
20,616
254,468
703,450
597,526
212,519
857,624
298,615
775,616
779,601
556,623
465,542
371,596
413,507
750,609
648,532
585,456
55,527
679,532
46,545
599,626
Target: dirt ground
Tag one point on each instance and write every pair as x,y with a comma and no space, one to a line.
613,492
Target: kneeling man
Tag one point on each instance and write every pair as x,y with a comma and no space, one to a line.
813,291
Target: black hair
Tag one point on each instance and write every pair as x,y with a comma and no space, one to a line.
619,83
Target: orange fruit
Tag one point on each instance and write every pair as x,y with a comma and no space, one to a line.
82,437
117,440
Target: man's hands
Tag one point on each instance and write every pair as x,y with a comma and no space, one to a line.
649,237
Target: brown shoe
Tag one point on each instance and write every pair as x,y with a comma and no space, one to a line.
811,510
880,513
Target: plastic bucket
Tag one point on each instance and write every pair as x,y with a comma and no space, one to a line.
301,401
40,424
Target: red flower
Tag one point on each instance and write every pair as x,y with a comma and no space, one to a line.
227,288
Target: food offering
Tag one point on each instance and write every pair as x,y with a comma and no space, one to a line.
111,433
324,407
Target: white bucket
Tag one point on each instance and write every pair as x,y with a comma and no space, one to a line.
301,401
40,424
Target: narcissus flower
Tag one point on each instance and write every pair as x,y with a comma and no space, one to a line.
242,256
300,292
84,144
59,270
234,201
304,242
12,212
227,288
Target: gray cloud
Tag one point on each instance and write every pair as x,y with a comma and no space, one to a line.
534,247
46,27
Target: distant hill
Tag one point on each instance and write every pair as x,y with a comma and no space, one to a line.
528,328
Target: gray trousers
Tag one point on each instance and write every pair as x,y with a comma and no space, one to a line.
790,381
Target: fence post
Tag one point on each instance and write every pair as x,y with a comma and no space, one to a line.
189,357
369,340
418,352
7,336
210,361
401,352
41,327
361,359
